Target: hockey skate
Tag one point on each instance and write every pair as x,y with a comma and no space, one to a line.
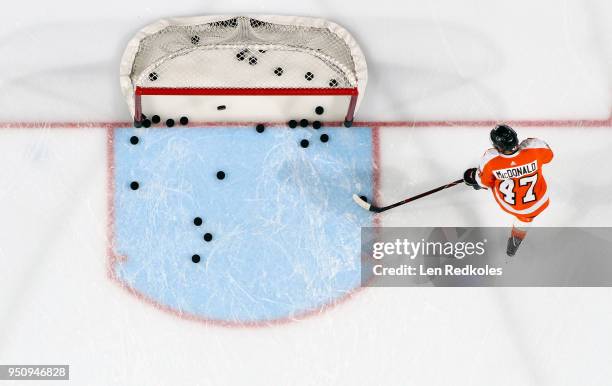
513,245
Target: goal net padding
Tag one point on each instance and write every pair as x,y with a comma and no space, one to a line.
243,68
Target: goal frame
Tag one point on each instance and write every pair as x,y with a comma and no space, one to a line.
135,93
353,93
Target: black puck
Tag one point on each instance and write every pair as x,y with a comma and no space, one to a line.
304,143
278,71
221,107
252,60
333,83
260,128
153,76
324,138
316,125
134,140
364,198
220,174
319,110
304,123
184,120
293,123
155,119
309,76
170,122
134,185
197,221
241,55
146,123
207,237
195,258
195,39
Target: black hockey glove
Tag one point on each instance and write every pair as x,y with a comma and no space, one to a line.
469,177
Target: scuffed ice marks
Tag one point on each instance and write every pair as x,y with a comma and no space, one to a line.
303,182
153,215
286,234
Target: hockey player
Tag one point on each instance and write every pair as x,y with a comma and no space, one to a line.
513,172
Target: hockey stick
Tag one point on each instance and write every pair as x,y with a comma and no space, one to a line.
377,209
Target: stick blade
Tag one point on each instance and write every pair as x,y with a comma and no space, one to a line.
361,202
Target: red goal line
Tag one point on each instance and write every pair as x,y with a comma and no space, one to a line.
562,123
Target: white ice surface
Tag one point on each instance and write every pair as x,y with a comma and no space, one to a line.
428,60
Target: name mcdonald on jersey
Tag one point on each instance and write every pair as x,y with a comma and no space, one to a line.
516,171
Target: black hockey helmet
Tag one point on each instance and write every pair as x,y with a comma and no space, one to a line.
504,138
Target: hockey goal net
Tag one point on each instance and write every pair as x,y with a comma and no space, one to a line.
242,68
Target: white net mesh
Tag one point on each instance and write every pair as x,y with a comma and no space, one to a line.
243,52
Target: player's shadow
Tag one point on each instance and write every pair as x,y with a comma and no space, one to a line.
425,160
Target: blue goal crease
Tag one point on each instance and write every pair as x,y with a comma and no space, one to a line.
285,232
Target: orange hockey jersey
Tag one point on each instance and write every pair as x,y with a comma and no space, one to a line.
516,180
